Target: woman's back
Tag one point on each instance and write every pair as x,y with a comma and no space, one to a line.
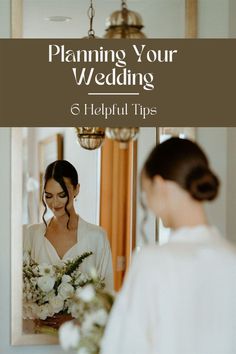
197,301
180,298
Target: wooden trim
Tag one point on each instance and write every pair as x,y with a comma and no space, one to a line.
16,18
135,192
191,18
131,203
118,202
157,221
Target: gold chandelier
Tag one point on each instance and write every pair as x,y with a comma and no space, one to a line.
123,135
121,24
90,138
124,23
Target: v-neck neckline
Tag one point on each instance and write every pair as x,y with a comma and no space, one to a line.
54,249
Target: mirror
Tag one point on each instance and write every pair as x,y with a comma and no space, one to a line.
106,176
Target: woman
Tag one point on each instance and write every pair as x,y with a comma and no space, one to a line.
179,298
66,235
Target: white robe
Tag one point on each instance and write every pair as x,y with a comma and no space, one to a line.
179,298
89,238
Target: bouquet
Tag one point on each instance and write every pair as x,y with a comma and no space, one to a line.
91,308
50,289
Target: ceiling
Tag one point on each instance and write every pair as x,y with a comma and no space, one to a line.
161,18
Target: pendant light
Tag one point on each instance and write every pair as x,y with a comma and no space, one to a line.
90,138
124,23
123,135
91,14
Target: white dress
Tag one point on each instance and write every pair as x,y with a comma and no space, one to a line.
179,298
89,238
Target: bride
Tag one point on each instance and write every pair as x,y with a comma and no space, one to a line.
66,235
179,298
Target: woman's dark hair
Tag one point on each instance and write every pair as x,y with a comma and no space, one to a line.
57,170
184,162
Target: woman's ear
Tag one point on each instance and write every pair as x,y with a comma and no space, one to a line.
77,188
159,183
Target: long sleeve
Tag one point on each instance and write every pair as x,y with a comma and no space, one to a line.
127,331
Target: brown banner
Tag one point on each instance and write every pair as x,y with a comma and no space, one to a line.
152,82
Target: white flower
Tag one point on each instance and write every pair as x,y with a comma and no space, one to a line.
87,324
46,283
66,278
69,335
101,317
46,269
57,304
35,270
65,290
86,294
83,277
93,273
44,311
30,311
50,295
98,317
33,281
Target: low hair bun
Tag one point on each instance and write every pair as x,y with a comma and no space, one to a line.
202,184
185,163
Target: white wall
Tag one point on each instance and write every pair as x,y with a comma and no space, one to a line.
232,22
146,142
214,142
213,18
231,185
87,164
220,146
5,30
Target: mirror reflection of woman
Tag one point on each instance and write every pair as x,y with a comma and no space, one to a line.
66,235
178,298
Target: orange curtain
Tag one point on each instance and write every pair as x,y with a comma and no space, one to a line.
118,203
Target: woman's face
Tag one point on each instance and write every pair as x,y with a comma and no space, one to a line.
56,198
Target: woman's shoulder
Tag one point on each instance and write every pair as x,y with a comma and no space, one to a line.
32,229
92,230
153,256
32,235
